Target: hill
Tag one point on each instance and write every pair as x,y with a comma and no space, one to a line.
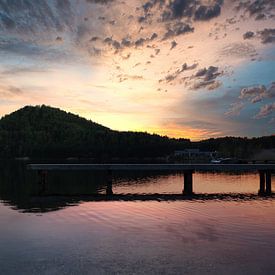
46,132
43,131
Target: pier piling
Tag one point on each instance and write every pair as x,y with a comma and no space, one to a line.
262,183
188,182
268,183
109,188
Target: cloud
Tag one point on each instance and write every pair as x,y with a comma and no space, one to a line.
124,77
206,78
8,91
208,74
150,4
259,9
267,35
7,21
238,49
204,13
235,109
248,35
255,93
35,16
177,9
170,77
23,70
258,93
265,111
173,44
176,29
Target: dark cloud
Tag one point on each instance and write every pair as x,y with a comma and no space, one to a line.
178,9
259,9
94,38
113,43
140,42
267,35
206,77
170,77
204,13
173,44
150,4
125,42
154,36
141,19
58,39
248,35
176,29
208,74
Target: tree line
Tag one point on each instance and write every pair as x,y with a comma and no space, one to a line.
46,132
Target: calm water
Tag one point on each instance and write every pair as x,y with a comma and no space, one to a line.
64,234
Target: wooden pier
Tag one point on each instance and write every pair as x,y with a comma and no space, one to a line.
265,171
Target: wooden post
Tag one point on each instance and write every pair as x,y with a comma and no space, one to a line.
109,188
188,183
262,183
268,182
43,180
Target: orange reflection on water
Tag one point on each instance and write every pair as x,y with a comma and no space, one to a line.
202,183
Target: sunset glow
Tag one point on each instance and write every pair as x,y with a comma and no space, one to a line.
193,69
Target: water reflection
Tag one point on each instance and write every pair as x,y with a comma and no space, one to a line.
21,188
207,233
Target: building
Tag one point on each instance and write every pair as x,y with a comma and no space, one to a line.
194,154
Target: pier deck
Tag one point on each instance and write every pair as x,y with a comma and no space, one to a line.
265,171
157,167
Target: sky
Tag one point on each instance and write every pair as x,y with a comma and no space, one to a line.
192,69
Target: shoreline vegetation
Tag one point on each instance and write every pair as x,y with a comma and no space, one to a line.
43,132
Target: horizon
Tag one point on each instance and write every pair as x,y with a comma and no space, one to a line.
181,69
191,140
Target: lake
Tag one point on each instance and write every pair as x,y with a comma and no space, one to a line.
61,233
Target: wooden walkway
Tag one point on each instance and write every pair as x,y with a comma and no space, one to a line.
157,167
265,171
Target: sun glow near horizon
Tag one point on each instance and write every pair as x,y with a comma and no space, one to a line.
176,70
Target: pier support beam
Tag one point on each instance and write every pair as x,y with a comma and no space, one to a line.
43,180
109,188
262,183
268,190
188,183
265,183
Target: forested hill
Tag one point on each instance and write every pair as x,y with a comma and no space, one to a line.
43,131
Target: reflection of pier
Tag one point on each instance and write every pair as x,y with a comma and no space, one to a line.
264,170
